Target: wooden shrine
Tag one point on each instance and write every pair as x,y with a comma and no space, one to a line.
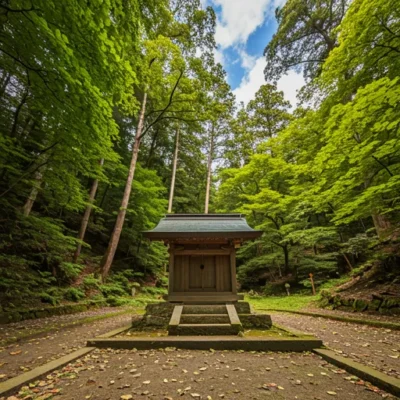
202,248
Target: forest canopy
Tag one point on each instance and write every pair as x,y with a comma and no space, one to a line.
113,112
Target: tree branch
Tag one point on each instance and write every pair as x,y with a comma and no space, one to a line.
166,107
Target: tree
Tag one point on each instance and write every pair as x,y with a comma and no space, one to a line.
306,35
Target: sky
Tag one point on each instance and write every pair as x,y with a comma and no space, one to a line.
244,28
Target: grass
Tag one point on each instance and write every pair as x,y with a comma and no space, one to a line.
290,303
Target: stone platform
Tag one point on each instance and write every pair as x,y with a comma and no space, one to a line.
202,319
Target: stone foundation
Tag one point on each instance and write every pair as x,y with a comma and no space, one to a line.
383,304
158,315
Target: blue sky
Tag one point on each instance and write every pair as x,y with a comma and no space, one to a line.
244,28
254,47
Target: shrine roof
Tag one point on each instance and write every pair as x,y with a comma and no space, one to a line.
202,225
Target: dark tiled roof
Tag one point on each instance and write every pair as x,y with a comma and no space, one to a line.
202,225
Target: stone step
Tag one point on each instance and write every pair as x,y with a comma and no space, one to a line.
206,329
204,309
205,319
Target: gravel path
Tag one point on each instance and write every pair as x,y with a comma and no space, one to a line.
23,328
372,316
202,375
378,348
32,352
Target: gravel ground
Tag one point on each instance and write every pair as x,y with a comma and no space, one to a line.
372,316
23,328
378,348
173,374
30,353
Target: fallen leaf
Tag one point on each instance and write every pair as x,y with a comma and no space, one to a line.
126,397
15,353
331,393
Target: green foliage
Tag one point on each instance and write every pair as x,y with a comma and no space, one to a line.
47,298
70,271
153,291
113,290
90,282
323,185
74,294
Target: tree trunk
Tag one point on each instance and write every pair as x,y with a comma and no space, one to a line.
35,190
348,261
286,255
86,215
209,167
114,240
382,224
174,164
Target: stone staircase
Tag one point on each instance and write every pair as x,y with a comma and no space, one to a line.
193,320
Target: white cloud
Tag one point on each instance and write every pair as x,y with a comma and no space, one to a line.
254,78
246,60
251,82
239,19
290,84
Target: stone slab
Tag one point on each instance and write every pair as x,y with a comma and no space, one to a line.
115,332
233,316
176,316
210,342
381,380
255,321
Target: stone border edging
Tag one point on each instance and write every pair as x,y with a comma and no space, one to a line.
377,324
381,380
209,342
11,385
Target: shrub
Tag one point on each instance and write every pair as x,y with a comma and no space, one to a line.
153,291
70,271
115,301
74,294
111,289
47,298
90,282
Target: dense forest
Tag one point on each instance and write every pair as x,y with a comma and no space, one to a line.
114,112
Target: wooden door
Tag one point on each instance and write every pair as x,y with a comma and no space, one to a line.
202,273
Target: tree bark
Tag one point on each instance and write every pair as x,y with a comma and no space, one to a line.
114,240
382,224
348,261
35,189
209,167
174,164
286,255
86,215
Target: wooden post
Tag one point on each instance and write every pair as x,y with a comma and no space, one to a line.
171,251
287,287
312,284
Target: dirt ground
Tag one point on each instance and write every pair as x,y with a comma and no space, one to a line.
110,374
378,348
30,353
172,374
23,328
370,315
